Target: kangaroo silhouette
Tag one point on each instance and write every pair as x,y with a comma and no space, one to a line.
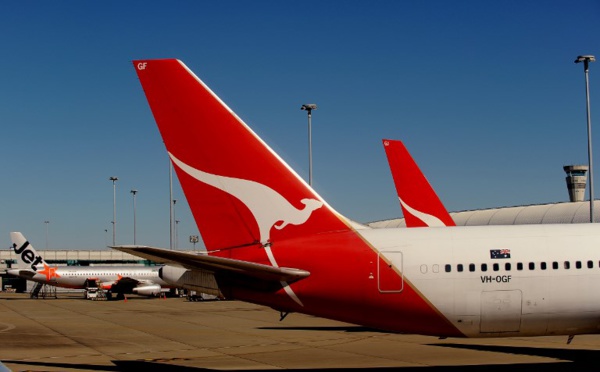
428,219
271,209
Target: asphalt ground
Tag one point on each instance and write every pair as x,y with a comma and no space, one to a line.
173,334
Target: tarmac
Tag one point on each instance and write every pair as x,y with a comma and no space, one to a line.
147,334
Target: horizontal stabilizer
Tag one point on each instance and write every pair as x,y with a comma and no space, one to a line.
22,273
195,261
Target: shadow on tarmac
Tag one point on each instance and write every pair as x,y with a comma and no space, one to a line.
349,329
133,365
570,359
577,359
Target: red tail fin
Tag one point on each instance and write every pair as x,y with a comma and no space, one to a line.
420,204
240,192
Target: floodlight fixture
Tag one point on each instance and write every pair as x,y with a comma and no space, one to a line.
308,107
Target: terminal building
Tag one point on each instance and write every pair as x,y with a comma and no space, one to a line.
567,212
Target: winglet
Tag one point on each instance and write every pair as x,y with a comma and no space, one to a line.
420,204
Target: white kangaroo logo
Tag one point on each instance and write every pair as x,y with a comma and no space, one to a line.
428,219
302,215
270,209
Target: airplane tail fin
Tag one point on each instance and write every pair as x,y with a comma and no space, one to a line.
420,204
27,257
240,191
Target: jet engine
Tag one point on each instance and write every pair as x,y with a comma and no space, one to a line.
148,290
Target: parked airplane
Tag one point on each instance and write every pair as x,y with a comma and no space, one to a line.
121,280
272,240
420,204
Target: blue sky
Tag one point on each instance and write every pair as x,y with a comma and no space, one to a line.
484,94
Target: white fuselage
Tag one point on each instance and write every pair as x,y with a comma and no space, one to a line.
549,285
77,276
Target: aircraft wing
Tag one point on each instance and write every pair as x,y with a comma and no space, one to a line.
212,264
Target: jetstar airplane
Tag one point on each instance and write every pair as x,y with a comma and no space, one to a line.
420,204
121,280
272,240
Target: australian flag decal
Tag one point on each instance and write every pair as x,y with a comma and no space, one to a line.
499,253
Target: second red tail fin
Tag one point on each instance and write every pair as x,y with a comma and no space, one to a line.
420,204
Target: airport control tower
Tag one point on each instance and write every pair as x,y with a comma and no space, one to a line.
576,180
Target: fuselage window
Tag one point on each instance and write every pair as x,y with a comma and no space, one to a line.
435,268
519,266
496,267
507,266
543,265
590,264
471,267
483,267
448,268
567,265
555,265
459,268
578,264
423,269
532,266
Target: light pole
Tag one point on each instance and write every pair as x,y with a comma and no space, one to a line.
134,191
114,221
176,235
174,224
586,61
170,204
309,107
46,223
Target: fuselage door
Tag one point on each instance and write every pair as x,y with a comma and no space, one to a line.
501,311
389,272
